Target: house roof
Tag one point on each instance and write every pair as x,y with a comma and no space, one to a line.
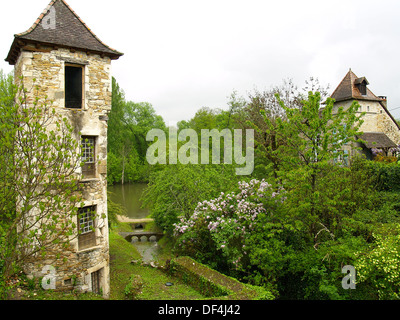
348,89
69,32
376,140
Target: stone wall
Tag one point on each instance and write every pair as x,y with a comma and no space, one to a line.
42,75
46,71
213,284
376,119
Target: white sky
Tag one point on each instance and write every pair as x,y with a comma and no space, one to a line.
181,55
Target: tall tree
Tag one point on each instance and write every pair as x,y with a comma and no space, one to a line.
259,104
127,146
38,181
312,139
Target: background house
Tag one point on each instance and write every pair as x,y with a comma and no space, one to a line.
380,129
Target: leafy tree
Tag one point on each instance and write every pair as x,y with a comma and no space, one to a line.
38,182
206,118
218,230
313,138
250,113
128,125
378,266
7,89
114,210
176,189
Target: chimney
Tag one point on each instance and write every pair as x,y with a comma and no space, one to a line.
384,101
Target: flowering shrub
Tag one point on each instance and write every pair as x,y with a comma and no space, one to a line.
376,151
386,159
218,228
395,150
380,267
379,156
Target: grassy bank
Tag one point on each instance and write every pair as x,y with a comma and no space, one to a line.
152,281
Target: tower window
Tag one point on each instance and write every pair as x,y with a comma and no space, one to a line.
73,87
95,277
88,157
87,235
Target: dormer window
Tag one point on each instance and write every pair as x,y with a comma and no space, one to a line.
361,84
363,89
73,87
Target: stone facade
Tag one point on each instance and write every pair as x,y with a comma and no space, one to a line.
46,70
43,76
378,127
60,61
376,118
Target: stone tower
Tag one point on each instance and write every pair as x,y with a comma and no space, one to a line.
380,129
72,68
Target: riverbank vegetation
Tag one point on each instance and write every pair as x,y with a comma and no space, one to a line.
306,211
133,279
128,125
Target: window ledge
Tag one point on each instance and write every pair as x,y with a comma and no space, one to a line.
89,249
86,180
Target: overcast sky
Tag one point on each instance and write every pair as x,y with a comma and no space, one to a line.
181,55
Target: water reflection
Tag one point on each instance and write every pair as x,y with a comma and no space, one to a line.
128,195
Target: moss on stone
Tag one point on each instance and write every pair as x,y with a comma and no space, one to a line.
213,284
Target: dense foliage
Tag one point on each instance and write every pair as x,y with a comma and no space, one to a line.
218,229
306,211
128,125
38,185
175,190
316,212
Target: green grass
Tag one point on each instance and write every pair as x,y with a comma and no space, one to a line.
53,295
154,280
122,253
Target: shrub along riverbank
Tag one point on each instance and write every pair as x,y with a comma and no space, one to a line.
133,279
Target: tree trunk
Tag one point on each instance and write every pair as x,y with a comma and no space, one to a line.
123,166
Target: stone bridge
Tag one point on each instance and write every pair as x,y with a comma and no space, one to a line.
135,223
142,235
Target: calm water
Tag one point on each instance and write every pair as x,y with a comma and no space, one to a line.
129,195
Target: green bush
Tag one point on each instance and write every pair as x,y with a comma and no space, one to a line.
134,287
387,176
175,190
379,265
114,210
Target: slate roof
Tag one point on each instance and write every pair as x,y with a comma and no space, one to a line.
377,140
348,89
69,32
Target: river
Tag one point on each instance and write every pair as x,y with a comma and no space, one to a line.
128,195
